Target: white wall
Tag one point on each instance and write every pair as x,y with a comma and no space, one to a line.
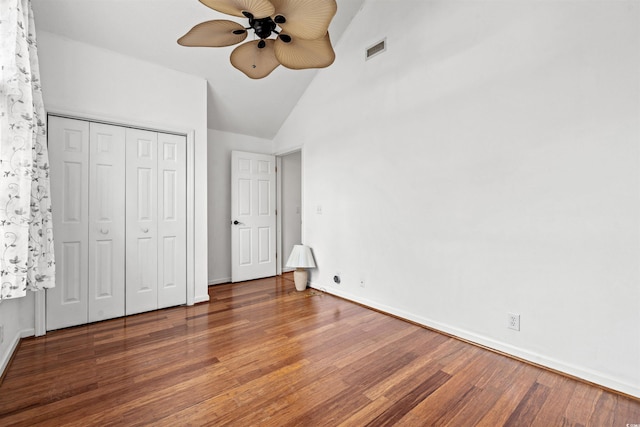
219,199
17,317
486,163
291,176
83,80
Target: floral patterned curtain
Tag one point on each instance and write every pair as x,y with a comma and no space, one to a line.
26,238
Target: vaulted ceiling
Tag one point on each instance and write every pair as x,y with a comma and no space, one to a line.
148,30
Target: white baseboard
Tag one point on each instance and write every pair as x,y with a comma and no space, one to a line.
213,282
589,375
27,333
11,348
201,298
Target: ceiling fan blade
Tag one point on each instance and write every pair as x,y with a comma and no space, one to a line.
255,62
306,19
258,8
299,53
216,33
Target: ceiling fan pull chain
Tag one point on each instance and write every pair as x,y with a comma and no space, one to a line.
255,54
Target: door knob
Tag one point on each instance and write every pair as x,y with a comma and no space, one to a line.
236,222
145,230
103,231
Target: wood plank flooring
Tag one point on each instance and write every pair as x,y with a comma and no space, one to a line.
261,354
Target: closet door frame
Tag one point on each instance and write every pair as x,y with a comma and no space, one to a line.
40,297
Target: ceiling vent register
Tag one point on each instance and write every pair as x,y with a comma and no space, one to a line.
376,49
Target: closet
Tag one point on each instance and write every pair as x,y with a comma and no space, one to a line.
118,197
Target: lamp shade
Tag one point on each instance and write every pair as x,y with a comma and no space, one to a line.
301,257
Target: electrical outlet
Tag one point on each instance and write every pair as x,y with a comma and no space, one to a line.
513,321
1,334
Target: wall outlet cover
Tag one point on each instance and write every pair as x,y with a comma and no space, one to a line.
513,321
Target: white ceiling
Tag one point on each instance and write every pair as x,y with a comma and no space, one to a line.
148,30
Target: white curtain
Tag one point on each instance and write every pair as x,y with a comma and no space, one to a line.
26,238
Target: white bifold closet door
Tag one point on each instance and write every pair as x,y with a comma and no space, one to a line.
89,222
156,221
172,220
119,212
106,221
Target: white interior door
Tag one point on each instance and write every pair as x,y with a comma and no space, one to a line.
106,290
253,216
172,220
142,221
69,160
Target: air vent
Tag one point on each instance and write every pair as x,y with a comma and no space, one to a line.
376,49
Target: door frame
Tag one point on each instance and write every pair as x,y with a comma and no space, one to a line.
279,155
40,327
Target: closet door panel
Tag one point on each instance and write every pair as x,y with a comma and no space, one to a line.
141,221
106,222
66,304
172,211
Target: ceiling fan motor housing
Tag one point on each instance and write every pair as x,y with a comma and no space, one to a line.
262,27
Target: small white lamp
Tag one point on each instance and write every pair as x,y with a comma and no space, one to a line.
301,258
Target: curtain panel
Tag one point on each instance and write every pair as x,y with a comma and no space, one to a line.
26,236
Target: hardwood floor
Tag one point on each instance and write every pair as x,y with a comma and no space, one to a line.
261,353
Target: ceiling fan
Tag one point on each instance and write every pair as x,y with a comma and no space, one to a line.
300,28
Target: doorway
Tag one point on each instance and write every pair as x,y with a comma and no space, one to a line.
289,206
